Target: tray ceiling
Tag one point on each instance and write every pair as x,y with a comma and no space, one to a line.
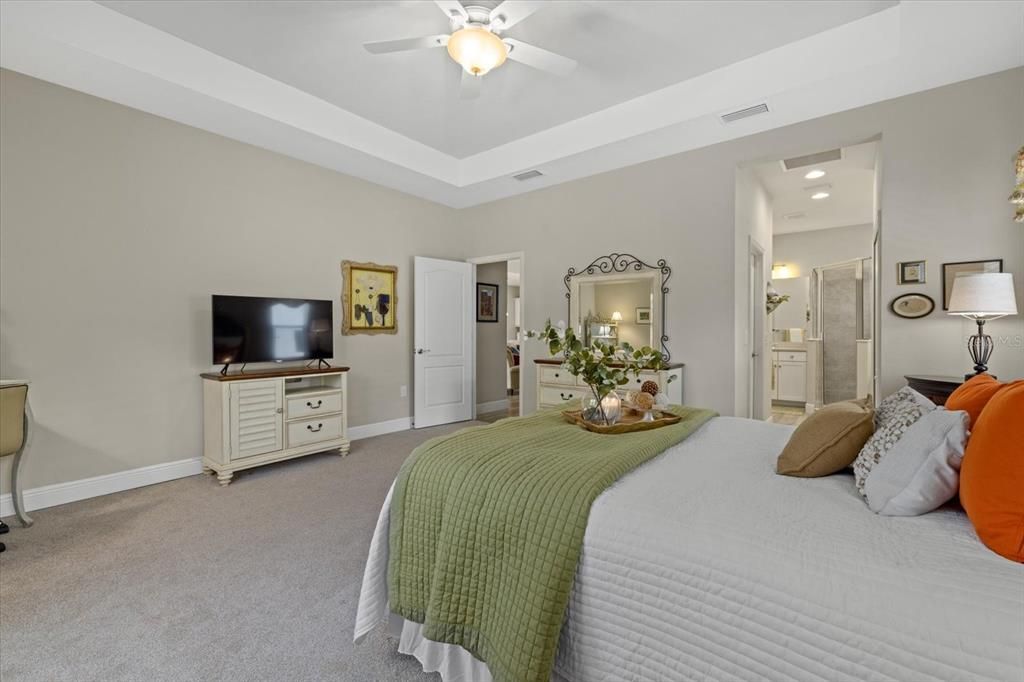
624,50
653,77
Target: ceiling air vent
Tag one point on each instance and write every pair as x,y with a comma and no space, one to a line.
795,216
528,175
812,159
746,112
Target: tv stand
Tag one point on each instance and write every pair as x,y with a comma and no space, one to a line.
263,416
320,364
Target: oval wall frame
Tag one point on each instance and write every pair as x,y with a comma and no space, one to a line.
912,306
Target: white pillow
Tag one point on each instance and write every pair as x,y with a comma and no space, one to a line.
894,416
921,472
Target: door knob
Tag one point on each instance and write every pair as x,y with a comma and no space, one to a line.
421,351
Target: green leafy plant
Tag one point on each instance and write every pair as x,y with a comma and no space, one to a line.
602,366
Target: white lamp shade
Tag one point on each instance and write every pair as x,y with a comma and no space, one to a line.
617,316
983,295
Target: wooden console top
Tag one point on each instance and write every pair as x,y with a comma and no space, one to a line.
558,361
267,373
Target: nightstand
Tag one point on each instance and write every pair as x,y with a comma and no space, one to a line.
935,388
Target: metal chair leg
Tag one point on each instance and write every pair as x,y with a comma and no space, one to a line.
16,492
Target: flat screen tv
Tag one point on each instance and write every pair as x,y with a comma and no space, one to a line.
252,329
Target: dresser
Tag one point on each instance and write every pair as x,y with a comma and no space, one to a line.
935,388
255,418
557,388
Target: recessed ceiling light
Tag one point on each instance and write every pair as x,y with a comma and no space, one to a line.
820,195
815,174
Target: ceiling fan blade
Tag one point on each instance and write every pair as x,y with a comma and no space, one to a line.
385,46
539,58
511,12
470,86
454,10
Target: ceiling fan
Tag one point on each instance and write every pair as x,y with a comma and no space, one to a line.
477,44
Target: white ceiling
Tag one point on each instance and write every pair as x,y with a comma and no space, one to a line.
652,81
624,50
849,182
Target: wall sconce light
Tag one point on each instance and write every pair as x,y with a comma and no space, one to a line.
782,271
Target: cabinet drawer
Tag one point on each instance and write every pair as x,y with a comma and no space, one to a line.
556,375
556,395
310,406
314,430
636,382
791,356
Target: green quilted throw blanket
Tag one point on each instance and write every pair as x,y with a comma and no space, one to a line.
487,526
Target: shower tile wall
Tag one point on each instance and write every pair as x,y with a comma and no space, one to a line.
839,316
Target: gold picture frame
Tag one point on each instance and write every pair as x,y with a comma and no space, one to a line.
369,298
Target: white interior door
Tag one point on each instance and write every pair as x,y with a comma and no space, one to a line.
756,317
443,345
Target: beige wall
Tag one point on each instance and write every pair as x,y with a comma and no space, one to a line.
804,251
490,339
512,293
947,171
117,227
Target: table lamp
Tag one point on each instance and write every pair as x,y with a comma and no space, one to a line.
982,297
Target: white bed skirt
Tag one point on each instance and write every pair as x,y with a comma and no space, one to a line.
452,662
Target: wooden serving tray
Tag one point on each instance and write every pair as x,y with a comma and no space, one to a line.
628,423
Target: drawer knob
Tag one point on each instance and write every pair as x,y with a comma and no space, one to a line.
311,406
557,375
318,427
564,397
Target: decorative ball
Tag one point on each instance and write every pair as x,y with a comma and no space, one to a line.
650,387
644,401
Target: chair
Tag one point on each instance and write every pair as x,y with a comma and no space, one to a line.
512,358
15,437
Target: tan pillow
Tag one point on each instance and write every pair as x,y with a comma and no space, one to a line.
828,440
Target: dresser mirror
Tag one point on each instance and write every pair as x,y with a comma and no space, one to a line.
619,299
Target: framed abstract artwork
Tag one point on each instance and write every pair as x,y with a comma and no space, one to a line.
951,270
643,316
369,299
486,302
911,272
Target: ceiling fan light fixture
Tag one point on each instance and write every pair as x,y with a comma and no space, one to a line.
477,50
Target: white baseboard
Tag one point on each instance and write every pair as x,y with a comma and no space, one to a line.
379,429
73,491
493,406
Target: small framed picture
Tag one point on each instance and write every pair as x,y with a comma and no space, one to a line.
951,270
643,315
486,302
911,272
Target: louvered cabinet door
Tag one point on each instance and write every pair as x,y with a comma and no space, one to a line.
257,419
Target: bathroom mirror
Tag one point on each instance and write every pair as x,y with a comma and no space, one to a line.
792,318
619,299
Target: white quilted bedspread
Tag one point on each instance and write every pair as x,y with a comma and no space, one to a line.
704,564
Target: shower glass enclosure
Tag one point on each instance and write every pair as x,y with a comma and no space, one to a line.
841,315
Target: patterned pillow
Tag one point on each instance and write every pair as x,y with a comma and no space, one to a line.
894,416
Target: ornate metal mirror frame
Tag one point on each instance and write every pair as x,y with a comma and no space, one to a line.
624,263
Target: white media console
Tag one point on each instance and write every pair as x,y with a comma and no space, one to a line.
259,417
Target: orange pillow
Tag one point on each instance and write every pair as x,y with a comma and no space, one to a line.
972,395
992,473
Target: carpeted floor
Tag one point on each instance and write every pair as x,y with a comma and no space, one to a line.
190,581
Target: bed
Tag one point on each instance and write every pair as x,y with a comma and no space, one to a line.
704,564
